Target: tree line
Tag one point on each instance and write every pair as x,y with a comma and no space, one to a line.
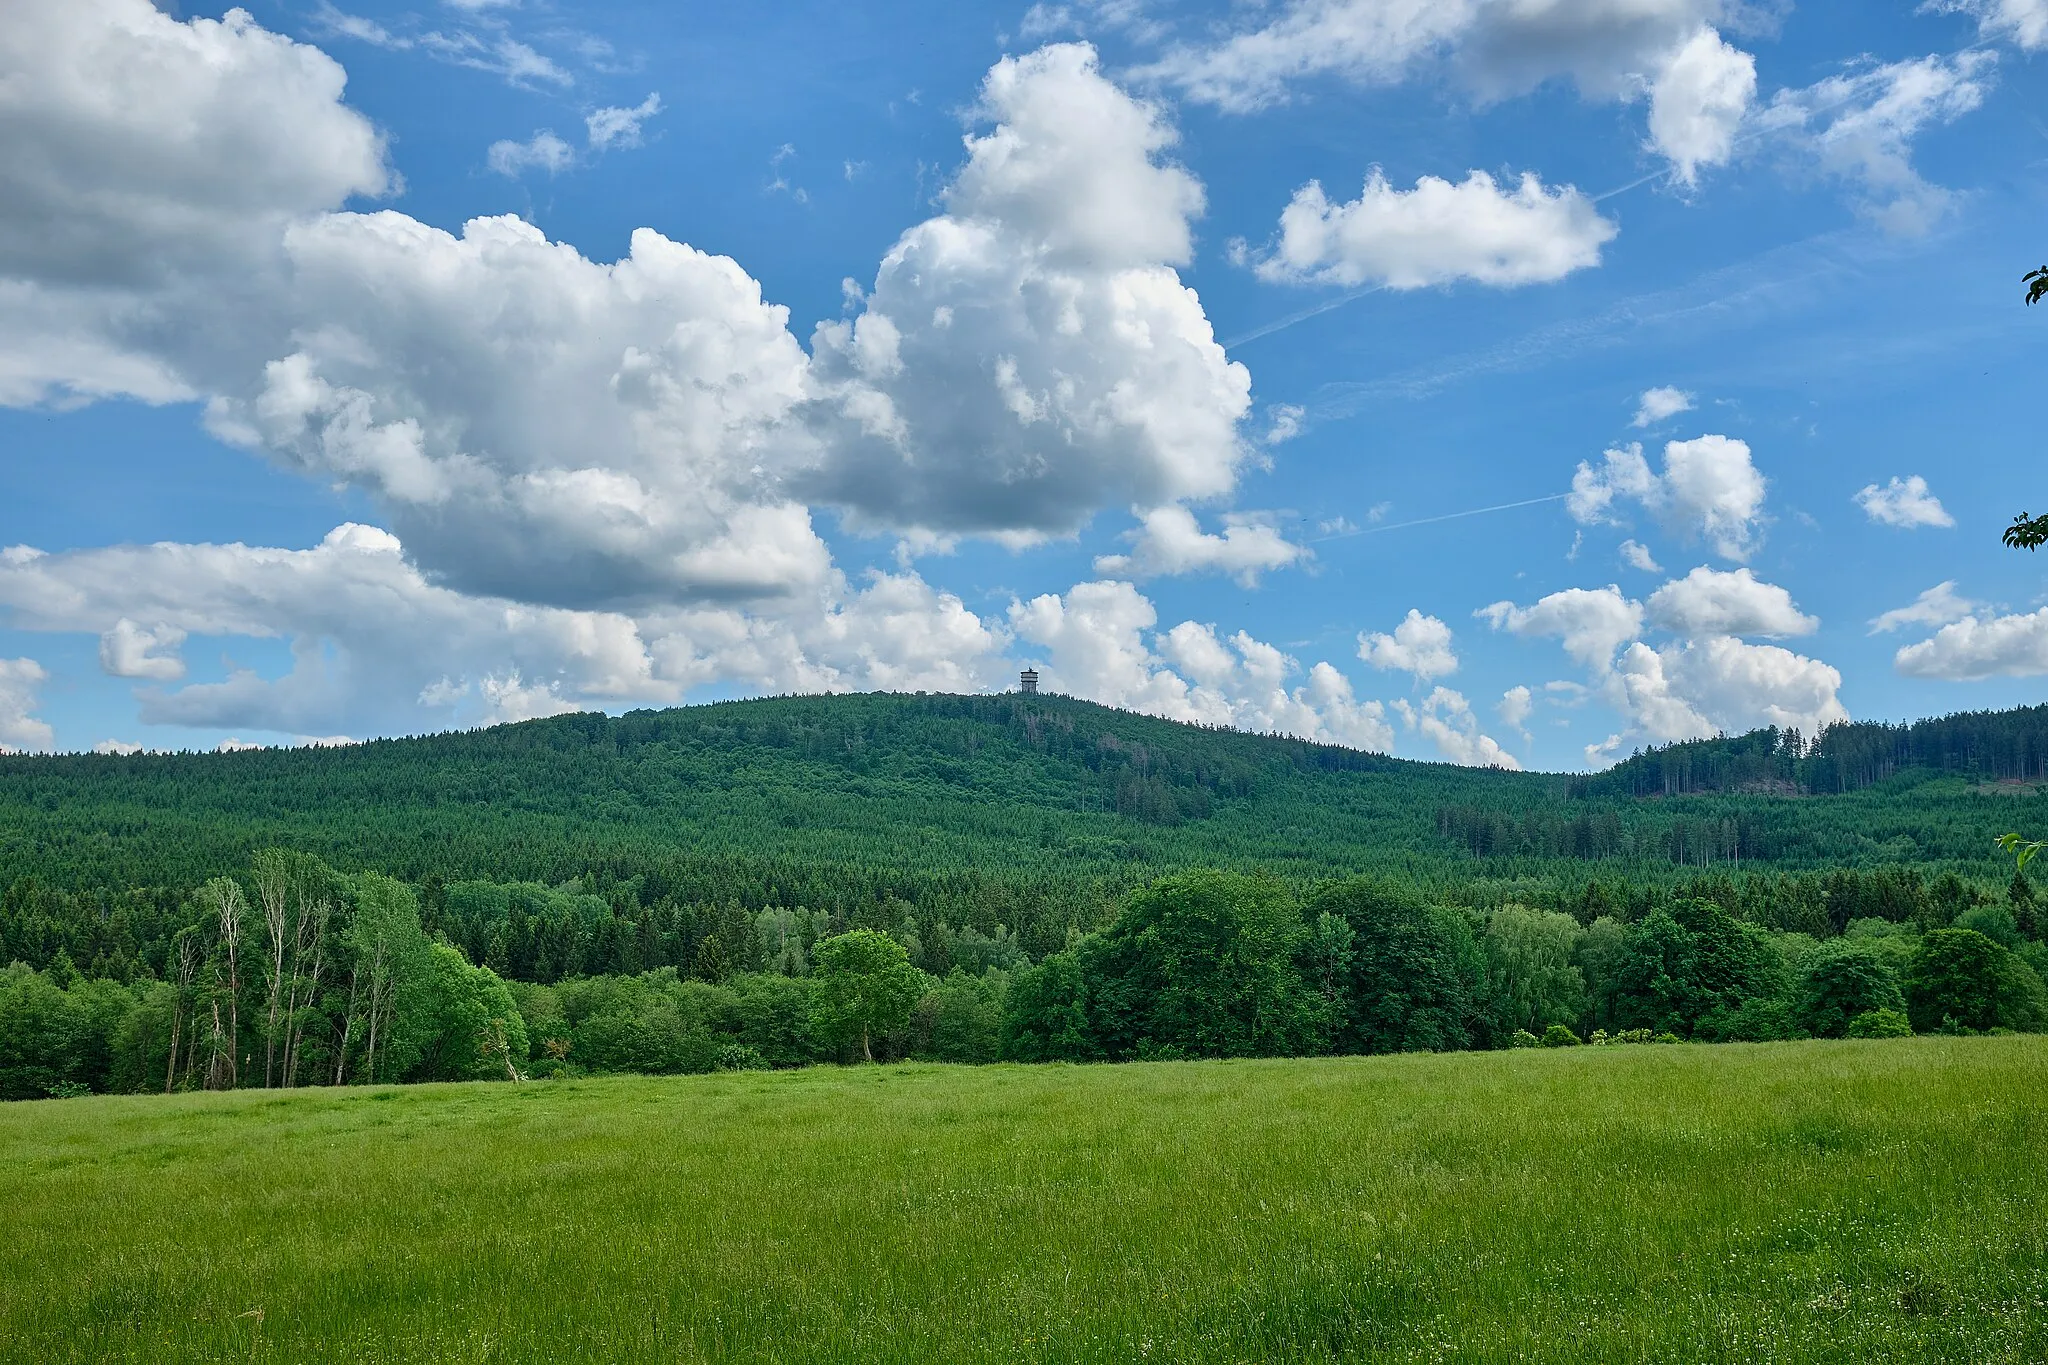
291,973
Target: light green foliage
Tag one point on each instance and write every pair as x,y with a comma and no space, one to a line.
468,1026
1529,971
1995,922
1557,1035
864,989
1811,1204
1880,1024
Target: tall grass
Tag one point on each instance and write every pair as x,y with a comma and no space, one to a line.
1793,1202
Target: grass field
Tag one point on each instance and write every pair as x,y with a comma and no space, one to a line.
1786,1202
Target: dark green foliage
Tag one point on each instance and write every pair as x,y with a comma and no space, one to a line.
1961,979
41,1030
1205,965
1841,980
1417,977
1686,962
1844,757
1047,1016
960,1019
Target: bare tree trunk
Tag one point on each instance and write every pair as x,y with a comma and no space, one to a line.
310,923
273,888
380,994
180,991
348,1024
220,1073
228,902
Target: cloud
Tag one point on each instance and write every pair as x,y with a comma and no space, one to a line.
377,647
1668,50
1707,602
1445,719
1437,233
2021,22
1859,128
1708,488
1904,503
19,729
120,747
1031,354
1420,645
1972,648
1170,541
1591,622
1514,709
1100,645
131,651
125,219
1699,95
1938,606
620,127
1659,404
1638,556
543,151
1705,684
592,435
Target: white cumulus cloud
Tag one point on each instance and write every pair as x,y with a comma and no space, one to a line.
1658,404
1100,643
1445,719
1032,354
19,728
1709,602
1905,503
1668,50
1938,606
1437,233
1420,645
1169,540
1637,556
1590,622
1709,488
1973,648
1699,94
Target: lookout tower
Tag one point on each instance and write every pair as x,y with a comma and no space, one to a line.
1027,682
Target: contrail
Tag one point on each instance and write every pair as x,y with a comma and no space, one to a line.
1447,516
1303,316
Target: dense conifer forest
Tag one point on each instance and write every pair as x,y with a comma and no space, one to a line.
982,878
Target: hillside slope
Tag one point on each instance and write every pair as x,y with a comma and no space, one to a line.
818,800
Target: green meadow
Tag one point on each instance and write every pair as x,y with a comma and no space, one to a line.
1814,1201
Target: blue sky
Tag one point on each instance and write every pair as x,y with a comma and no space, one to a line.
616,355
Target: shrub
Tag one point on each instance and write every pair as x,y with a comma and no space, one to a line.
1557,1035
1840,980
1523,1038
1961,979
1880,1024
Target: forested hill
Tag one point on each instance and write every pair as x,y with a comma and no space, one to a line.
2010,746
943,800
